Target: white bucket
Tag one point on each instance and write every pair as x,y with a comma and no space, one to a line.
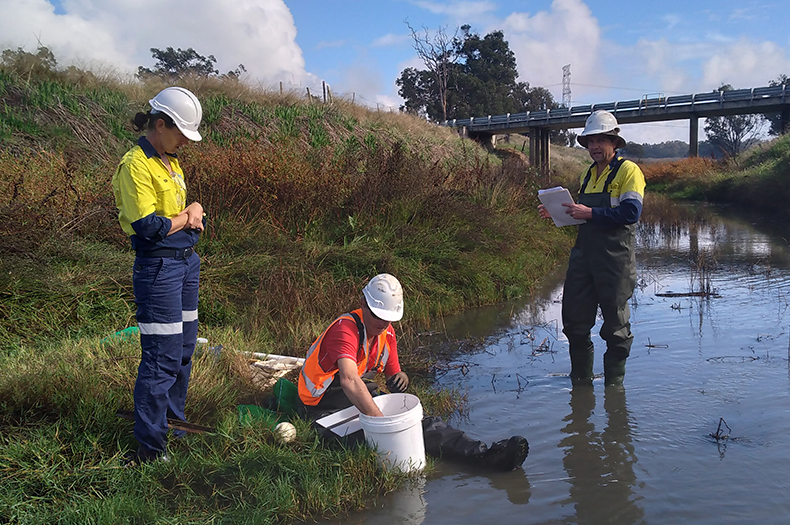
397,437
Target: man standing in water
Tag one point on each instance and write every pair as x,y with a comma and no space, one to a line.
602,266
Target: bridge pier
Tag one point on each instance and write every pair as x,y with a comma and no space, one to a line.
539,149
486,139
694,137
785,123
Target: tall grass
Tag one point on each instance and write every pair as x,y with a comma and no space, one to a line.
61,448
305,202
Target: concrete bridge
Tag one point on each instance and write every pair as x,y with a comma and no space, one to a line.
650,108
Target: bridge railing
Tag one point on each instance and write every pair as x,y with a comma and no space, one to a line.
649,102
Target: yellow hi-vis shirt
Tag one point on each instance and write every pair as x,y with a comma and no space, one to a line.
629,183
148,196
626,192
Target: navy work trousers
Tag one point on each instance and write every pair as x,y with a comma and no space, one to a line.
166,293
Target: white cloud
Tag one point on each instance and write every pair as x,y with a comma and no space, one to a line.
742,14
391,39
544,42
703,66
672,20
363,83
25,23
388,103
257,33
719,38
746,64
463,11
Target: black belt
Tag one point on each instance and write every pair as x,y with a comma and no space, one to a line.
173,253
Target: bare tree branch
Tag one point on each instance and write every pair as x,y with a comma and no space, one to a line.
438,54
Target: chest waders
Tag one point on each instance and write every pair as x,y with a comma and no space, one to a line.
601,273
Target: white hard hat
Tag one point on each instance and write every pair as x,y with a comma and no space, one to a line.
601,123
183,107
384,296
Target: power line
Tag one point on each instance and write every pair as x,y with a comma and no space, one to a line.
640,90
656,125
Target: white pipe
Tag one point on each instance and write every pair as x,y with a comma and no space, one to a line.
263,357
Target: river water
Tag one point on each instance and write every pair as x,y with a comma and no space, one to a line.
701,368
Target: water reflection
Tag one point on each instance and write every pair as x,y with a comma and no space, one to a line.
515,484
695,360
600,463
408,505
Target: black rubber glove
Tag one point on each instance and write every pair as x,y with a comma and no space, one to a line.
398,383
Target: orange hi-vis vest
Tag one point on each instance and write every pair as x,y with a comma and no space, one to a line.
313,381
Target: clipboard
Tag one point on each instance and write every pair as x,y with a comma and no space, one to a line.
552,199
343,422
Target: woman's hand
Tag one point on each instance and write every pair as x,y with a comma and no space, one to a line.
189,219
194,213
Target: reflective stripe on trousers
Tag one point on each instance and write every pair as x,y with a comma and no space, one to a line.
166,293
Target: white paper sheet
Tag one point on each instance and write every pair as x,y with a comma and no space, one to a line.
552,199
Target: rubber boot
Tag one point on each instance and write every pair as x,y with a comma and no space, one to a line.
504,455
444,441
582,367
613,369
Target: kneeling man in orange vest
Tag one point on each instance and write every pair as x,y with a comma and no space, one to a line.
362,343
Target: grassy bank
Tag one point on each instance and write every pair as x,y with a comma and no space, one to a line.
757,178
305,202
61,448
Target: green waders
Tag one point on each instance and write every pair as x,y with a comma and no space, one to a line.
601,273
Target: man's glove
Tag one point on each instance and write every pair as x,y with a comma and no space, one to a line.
398,383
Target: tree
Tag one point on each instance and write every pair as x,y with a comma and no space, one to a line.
417,89
438,56
633,150
172,64
732,134
484,80
537,98
475,76
775,119
31,65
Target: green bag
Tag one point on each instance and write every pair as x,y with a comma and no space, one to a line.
286,397
127,334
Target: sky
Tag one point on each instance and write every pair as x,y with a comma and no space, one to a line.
616,50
